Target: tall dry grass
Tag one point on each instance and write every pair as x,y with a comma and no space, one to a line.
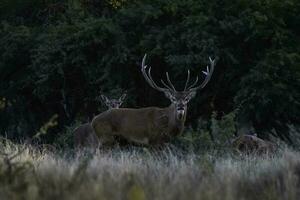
28,172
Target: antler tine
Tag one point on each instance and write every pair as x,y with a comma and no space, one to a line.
148,76
166,85
187,80
195,82
151,79
143,61
170,83
208,74
144,72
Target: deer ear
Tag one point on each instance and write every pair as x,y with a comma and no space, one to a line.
169,96
192,94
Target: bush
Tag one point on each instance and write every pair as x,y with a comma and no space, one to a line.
215,134
65,140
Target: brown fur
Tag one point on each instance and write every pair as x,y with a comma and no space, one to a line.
150,125
143,126
253,144
84,136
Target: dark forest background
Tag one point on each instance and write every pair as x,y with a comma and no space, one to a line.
58,56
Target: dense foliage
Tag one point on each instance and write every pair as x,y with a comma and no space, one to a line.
56,56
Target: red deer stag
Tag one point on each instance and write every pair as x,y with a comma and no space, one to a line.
150,125
84,135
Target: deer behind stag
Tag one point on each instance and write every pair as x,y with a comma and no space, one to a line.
84,135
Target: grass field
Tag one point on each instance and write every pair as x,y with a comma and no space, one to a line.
28,172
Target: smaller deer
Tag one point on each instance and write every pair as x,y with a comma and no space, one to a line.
113,103
84,134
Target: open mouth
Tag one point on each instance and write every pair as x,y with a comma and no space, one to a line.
180,114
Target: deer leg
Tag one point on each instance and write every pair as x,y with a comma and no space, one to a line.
92,140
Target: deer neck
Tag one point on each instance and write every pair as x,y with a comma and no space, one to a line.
176,126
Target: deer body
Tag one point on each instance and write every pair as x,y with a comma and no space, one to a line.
144,126
253,144
84,135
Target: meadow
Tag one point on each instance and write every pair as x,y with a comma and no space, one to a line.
137,173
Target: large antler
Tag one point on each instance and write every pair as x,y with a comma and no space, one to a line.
208,73
149,79
170,86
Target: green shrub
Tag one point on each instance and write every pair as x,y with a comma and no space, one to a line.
209,135
65,139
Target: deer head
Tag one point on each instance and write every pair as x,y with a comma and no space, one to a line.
113,103
179,99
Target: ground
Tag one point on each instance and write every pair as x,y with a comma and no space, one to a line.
138,173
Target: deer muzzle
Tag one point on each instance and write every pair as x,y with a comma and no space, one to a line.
180,114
